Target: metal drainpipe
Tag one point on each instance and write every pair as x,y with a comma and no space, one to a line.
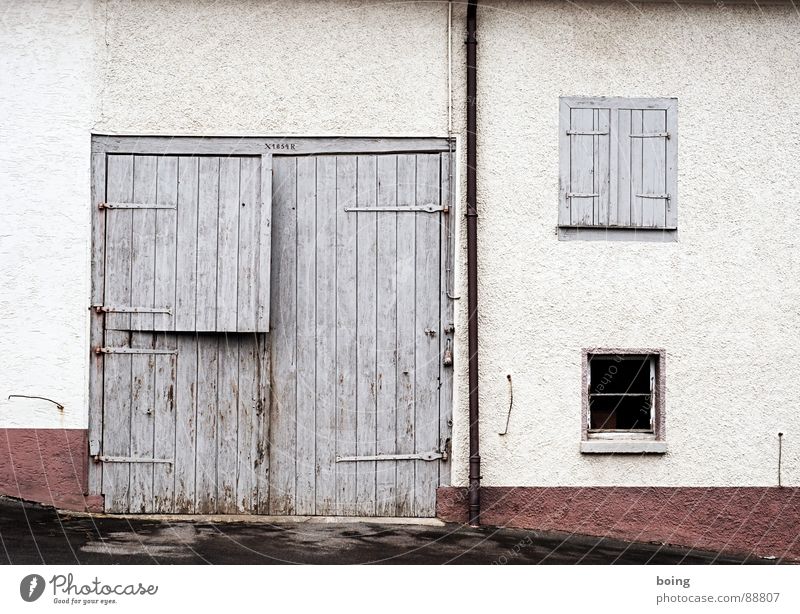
472,266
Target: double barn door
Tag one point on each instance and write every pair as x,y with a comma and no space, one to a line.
269,333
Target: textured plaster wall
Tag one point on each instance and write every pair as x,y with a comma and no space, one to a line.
308,67
723,301
46,101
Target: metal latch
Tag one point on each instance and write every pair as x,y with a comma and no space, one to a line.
447,359
107,350
423,456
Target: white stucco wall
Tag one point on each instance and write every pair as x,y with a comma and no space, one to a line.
723,301
46,100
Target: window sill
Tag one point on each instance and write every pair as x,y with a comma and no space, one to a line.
584,233
596,446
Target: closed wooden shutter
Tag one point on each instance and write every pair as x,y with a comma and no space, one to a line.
618,163
187,243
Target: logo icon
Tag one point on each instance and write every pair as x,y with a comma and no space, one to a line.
31,587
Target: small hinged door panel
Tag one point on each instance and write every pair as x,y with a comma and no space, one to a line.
187,243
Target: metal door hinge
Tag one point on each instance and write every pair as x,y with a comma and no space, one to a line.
587,132
581,195
111,309
133,206
410,209
665,196
650,135
423,456
108,350
130,459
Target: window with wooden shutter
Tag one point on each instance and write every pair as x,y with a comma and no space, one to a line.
618,164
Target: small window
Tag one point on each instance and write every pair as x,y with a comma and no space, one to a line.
618,167
623,401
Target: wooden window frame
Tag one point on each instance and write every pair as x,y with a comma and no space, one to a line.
626,442
666,232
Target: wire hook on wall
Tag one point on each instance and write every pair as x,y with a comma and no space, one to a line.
510,403
26,396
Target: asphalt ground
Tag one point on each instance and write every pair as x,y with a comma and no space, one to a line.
31,534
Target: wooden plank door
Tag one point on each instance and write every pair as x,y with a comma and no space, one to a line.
359,305
184,306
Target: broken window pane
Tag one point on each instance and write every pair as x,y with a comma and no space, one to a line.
618,374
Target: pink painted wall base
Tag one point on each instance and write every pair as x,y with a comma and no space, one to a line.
48,466
752,520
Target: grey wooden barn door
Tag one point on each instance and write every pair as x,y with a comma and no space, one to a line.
183,278
359,395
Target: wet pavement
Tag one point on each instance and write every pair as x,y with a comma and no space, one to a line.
32,534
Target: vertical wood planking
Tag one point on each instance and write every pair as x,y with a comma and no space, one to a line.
446,317
166,237
264,410
143,252
165,365
117,368
623,148
427,345
654,165
249,427
98,195
206,457
282,443
406,332
142,402
325,337
582,166
228,244
117,424
636,169
249,214
366,286
672,165
164,424
143,240
602,160
118,241
386,336
186,383
346,341
613,169
264,244
306,334
227,422
564,143
207,220
187,235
